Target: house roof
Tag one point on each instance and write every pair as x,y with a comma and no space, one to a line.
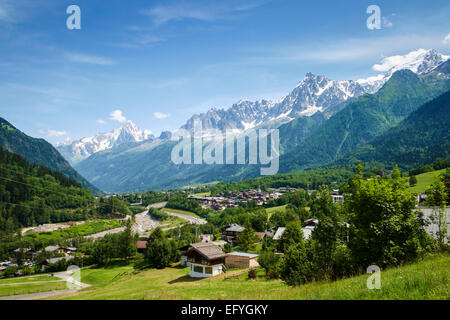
208,250
141,244
244,254
235,228
260,234
51,248
55,260
279,233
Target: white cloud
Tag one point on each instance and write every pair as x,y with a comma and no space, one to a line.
100,121
208,11
117,115
168,84
84,58
53,133
390,62
446,39
160,115
387,23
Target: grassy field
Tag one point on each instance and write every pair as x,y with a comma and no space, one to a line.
31,287
428,279
88,228
424,180
27,279
274,209
187,213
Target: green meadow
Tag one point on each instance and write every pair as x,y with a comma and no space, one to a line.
427,279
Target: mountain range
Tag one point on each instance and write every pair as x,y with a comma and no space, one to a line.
307,141
321,121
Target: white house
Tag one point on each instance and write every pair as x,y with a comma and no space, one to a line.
204,259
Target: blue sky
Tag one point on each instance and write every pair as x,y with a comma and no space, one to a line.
159,62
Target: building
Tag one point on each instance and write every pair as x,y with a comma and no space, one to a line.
231,232
205,259
242,260
141,246
279,233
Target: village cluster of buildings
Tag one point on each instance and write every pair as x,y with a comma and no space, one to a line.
29,256
222,202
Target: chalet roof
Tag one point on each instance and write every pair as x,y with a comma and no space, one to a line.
279,233
51,248
260,235
141,244
244,254
235,228
209,251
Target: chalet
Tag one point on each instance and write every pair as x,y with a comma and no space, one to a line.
28,253
56,260
241,260
205,259
141,246
231,232
337,198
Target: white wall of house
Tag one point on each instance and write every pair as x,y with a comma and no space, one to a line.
201,271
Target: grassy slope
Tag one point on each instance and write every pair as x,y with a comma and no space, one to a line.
28,279
428,279
187,213
424,180
88,228
32,287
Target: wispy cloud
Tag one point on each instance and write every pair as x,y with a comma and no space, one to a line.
160,115
446,39
168,84
345,50
202,11
100,121
53,133
89,59
118,116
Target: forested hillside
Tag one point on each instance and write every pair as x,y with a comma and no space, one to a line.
418,140
364,119
33,194
38,151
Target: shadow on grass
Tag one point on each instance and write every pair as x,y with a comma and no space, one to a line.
184,279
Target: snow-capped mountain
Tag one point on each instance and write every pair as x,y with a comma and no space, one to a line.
420,61
79,150
314,93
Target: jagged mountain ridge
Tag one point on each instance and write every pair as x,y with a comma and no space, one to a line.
313,94
79,150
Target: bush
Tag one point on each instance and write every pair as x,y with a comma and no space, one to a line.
252,274
271,263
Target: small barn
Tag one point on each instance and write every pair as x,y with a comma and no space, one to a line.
242,260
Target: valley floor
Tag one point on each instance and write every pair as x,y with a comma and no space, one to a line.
427,279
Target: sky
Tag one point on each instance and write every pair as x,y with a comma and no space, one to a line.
157,63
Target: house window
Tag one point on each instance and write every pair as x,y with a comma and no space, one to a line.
198,269
208,270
